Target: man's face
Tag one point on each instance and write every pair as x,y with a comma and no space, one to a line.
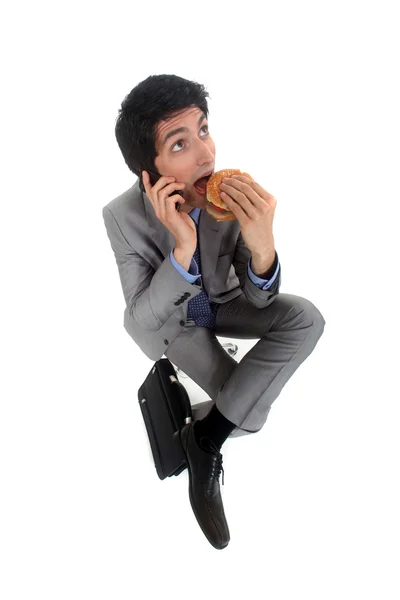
186,155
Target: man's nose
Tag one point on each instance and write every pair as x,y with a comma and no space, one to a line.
206,157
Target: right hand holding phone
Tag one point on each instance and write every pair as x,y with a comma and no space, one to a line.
179,223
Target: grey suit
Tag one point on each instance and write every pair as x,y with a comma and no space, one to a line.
157,296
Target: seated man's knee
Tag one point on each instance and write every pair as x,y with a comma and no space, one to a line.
311,314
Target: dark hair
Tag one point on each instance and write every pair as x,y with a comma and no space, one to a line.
159,97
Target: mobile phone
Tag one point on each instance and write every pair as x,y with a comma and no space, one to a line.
154,177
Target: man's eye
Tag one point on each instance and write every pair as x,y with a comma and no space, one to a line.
178,142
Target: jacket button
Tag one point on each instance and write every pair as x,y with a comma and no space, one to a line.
166,342
181,323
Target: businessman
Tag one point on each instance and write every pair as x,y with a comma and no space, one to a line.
187,278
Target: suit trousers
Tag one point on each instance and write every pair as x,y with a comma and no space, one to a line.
288,330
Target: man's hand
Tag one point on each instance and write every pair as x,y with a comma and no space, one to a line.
163,199
254,208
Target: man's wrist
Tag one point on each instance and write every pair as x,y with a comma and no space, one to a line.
264,266
183,257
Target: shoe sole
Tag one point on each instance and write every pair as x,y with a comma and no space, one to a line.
192,503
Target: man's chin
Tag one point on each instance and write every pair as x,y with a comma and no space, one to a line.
196,200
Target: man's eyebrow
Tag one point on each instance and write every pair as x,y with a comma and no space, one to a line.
181,130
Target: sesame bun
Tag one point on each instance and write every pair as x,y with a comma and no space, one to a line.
216,207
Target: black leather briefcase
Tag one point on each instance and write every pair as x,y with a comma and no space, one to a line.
165,407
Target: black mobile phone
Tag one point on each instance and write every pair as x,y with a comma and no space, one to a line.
154,177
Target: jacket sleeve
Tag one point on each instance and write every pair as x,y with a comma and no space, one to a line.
151,296
257,296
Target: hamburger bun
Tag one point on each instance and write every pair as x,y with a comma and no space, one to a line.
216,207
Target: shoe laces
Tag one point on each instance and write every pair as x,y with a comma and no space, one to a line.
209,445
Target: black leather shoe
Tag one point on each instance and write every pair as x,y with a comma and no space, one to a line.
204,468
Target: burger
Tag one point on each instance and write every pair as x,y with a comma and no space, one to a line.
210,185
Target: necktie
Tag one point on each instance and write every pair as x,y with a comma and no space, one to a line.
200,309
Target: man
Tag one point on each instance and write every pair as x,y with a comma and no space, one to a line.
187,278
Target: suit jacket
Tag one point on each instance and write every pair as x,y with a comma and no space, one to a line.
156,294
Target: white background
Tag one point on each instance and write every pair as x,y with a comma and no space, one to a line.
305,97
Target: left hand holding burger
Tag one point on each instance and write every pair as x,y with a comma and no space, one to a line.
254,208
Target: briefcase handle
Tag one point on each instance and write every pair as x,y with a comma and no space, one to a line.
183,398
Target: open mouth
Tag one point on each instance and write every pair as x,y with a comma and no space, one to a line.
201,184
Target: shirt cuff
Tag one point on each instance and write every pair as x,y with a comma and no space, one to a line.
193,273
271,274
